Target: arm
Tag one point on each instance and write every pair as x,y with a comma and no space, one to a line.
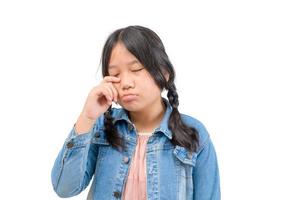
75,164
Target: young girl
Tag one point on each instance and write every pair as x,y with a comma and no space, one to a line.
146,149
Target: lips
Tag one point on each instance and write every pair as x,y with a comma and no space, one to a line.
128,97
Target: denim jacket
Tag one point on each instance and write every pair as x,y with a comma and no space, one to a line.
172,172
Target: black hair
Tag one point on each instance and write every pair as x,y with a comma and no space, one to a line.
148,48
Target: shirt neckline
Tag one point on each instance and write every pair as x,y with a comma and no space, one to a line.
144,133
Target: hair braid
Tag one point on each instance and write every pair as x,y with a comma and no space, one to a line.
183,135
112,134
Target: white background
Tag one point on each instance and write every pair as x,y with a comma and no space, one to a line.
237,66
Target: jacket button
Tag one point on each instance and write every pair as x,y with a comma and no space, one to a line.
126,159
97,135
130,127
70,145
117,194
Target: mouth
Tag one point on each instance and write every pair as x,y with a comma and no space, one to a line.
129,97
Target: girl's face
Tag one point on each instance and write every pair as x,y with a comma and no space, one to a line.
137,90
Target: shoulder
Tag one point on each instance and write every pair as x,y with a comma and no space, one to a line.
199,126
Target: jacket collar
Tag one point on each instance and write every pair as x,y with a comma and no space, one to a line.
122,114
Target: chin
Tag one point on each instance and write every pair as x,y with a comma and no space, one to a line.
131,107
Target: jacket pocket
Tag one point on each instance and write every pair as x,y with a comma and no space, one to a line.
186,161
184,156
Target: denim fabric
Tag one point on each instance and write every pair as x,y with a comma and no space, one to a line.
172,172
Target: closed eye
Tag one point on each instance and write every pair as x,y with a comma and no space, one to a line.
137,70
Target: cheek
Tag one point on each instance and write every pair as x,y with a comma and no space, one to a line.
148,84
144,81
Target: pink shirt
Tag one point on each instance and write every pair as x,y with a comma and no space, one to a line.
136,185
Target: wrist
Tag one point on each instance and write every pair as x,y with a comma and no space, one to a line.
84,124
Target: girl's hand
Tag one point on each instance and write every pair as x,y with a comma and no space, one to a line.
100,98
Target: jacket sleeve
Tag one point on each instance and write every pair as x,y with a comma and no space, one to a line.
75,164
206,174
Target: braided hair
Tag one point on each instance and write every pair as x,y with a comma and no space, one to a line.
148,48
183,134
113,137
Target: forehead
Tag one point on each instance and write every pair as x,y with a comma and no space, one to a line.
120,56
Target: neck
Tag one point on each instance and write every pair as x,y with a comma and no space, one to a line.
150,118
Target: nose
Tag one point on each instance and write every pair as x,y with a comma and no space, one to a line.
127,81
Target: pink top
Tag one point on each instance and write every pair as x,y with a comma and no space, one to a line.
136,185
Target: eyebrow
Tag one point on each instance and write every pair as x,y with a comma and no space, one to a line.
129,63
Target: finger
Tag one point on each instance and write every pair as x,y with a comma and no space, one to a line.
104,90
112,79
115,92
107,95
110,92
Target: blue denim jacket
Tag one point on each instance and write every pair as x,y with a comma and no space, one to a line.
172,172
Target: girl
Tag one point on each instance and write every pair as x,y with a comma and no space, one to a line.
146,149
